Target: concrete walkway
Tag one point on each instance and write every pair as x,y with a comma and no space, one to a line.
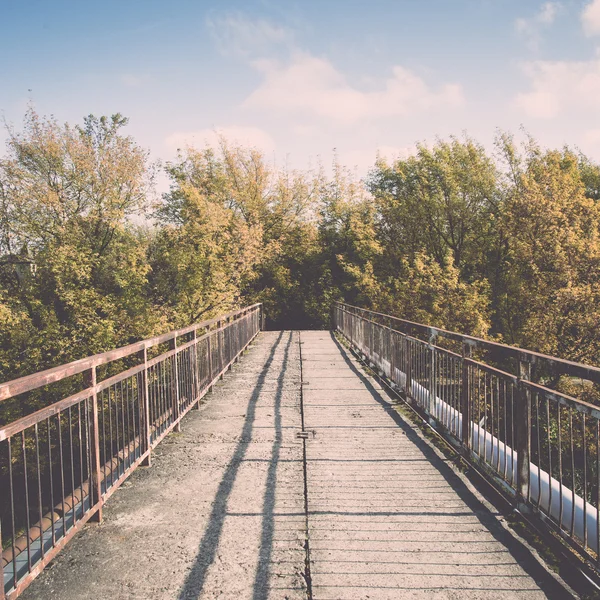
222,512
388,518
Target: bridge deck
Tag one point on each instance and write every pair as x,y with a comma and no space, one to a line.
222,512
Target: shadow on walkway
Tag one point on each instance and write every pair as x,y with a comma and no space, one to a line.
194,583
519,551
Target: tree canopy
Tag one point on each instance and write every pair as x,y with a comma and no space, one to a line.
504,245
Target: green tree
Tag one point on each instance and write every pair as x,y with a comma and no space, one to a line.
551,292
72,266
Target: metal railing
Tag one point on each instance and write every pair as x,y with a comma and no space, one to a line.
540,446
60,463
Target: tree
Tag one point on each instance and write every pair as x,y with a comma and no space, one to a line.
66,196
440,200
204,256
551,294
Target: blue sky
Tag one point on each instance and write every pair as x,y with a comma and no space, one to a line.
298,79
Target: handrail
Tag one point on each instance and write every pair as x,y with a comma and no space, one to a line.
59,464
537,445
557,365
30,382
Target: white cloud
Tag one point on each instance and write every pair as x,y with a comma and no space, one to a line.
246,136
561,86
312,85
237,35
531,29
590,18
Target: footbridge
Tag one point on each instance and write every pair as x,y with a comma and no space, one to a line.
298,464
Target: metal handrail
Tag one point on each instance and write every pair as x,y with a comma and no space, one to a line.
556,365
63,461
30,382
539,446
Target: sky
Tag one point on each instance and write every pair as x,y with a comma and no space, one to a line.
300,79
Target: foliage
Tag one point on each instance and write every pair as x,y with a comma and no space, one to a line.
73,269
504,246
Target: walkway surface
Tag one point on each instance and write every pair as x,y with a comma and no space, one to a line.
239,505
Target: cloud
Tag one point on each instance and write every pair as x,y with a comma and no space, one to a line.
531,29
590,18
246,136
560,86
237,35
311,85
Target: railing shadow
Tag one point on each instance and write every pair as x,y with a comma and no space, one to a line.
196,578
517,550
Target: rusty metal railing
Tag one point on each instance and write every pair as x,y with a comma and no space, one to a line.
61,462
540,446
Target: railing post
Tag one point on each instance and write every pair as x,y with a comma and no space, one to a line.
409,367
465,397
176,411
96,483
195,370
392,350
228,331
523,431
210,362
146,411
221,342
432,381
236,336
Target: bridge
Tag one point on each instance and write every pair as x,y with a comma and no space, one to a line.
291,464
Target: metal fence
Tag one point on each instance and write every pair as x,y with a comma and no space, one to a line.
60,463
540,446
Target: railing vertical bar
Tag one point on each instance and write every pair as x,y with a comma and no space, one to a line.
523,431
175,388
210,361
560,469
432,379
539,448
26,489
96,473
124,395
72,460
572,471
110,394
465,404
39,498
146,409
131,456
504,394
195,372
550,470
485,409
62,473
51,477
496,389
80,433
585,486
12,512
